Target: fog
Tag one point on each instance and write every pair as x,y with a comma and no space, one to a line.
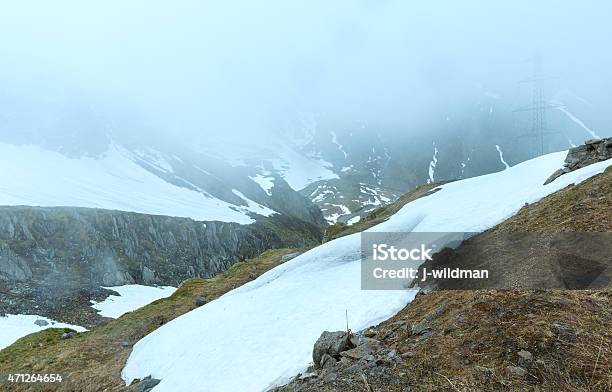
206,69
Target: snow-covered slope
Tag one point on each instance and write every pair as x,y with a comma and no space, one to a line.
35,176
262,333
298,168
131,297
15,326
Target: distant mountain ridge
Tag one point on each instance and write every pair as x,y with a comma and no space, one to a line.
346,168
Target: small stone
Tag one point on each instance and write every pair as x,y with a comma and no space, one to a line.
307,375
200,301
516,371
524,357
68,335
484,372
147,384
420,328
425,334
125,343
41,323
290,256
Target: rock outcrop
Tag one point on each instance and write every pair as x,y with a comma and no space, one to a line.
329,346
81,247
592,151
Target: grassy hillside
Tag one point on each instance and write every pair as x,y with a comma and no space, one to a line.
92,361
497,340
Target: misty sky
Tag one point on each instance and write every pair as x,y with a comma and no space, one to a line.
204,67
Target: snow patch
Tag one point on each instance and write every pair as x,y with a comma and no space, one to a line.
501,156
266,183
335,141
432,165
16,326
333,217
252,206
130,298
353,220
299,170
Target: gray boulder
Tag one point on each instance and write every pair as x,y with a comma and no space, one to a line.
41,323
515,371
290,256
524,357
147,384
332,344
200,301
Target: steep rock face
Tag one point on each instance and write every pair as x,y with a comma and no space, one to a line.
54,260
78,247
293,203
12,266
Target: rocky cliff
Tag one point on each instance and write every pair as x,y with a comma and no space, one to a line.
48,255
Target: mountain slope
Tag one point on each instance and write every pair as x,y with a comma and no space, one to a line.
92,361
498,340
276,344
45,178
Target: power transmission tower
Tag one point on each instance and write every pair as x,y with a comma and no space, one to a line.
538,108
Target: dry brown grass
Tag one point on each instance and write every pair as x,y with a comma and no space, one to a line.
586,207
475,335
